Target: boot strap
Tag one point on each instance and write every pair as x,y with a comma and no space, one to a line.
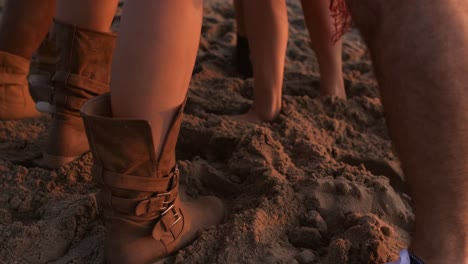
156,204
60,96
75,80
164,192
135,183
170,225
161,206
13,78
61,99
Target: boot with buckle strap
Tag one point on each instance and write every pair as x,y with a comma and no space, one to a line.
82,72
144,216
15,99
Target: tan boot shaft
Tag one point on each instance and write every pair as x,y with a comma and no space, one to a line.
82,72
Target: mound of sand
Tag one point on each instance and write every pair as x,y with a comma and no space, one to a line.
319,185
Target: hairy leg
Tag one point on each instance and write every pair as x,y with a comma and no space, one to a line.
24,25
422,76
267,29
322,31
153,63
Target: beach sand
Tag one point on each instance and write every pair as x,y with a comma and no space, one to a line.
319,185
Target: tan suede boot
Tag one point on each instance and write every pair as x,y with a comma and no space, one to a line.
15,100
42,69
144,217
82,72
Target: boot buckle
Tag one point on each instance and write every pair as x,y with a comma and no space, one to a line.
153,204
175,214
167,229
165,203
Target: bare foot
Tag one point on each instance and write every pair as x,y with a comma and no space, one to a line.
253,117
336,90
334,94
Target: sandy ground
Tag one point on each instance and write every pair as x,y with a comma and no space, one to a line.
319,185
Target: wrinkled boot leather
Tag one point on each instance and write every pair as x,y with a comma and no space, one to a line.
15,99
144,217
82,72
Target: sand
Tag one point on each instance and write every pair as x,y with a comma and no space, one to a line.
319,185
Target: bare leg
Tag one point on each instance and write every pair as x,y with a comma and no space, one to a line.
267,30
89,14
151,71
322,31
24,25
422,76
152,65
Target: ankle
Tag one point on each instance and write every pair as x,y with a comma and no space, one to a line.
265,114
332,84
334,90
